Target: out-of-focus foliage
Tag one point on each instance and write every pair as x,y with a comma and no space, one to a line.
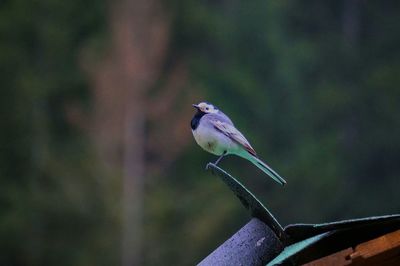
312,84
55,203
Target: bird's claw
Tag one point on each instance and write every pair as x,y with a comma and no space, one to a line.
208,166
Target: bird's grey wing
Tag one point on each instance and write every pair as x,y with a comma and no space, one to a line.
234,134
224,118
220,116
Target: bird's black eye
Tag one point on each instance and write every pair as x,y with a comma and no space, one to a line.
207,108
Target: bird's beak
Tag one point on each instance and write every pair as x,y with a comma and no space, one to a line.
195,106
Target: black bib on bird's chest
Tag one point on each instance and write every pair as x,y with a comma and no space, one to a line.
196,120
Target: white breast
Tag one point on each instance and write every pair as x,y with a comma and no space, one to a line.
212,140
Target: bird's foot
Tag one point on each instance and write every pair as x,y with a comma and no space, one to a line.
208,166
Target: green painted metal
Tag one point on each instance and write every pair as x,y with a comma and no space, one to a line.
249,201
311,241
296,248
298,232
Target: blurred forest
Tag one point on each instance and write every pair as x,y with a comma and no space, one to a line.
97,162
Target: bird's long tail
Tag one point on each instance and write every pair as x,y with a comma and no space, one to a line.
266,169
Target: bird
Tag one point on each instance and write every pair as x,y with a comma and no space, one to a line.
215,132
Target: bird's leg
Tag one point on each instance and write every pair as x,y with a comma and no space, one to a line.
217,161
220,158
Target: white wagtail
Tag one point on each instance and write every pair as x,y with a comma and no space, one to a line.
215,133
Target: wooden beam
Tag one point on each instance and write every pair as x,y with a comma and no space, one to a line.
384,250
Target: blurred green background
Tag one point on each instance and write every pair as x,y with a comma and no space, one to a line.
97,161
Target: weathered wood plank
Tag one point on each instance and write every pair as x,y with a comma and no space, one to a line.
384,250
335,259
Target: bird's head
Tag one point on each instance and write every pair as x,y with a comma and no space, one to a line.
205,107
